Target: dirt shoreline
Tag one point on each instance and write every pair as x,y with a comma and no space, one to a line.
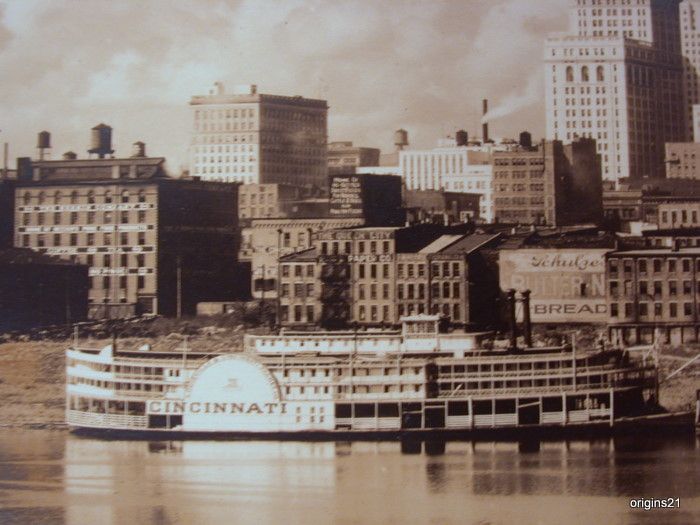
32,379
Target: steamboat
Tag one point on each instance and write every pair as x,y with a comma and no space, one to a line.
416,380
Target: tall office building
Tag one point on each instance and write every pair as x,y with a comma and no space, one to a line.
249,137
617,78
690,48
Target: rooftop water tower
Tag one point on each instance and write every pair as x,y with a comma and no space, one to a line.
400,139
101,141
43,144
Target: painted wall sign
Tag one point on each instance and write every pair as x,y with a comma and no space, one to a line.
567,285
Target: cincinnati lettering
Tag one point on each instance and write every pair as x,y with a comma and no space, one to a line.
213,407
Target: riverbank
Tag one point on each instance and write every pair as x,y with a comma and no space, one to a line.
32,374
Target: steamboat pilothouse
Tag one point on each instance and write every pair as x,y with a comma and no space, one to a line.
415,380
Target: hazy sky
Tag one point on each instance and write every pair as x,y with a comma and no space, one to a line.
381,64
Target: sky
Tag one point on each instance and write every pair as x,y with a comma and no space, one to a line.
424,66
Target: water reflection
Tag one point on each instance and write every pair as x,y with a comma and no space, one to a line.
52,477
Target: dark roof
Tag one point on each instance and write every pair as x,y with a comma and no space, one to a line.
471,243
27,256
561,238
79,170
672,232
308,255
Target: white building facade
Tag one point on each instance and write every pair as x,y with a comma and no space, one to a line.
617,78
249,137
463,169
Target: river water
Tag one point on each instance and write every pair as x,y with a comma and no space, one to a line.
49,477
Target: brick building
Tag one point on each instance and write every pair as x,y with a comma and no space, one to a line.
372,276
344,157
554,184
264,201
653,289
153,244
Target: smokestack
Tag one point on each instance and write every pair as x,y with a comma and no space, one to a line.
511,320
527,324
484,125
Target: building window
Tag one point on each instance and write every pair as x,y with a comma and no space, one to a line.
142,238
125,196
673,309
91,197
105,283
569,74
74,217
90,239
285,270
643,309
74,239
108,197
142,196
140,282
310,314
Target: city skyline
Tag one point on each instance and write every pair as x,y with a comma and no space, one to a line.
423,67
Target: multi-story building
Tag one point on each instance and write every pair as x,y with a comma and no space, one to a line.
553,184
344,158
690,49
679,214
376,198
653,290
264,241
249,137
264,201
445,207
153,244
374,276
617,78
39,290
7,212
683,160
461,168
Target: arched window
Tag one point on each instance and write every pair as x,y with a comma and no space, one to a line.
42,197
125,196
74,197
584,74
108,197
91,197
600,75
57,197
27,198
142,196
569,74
